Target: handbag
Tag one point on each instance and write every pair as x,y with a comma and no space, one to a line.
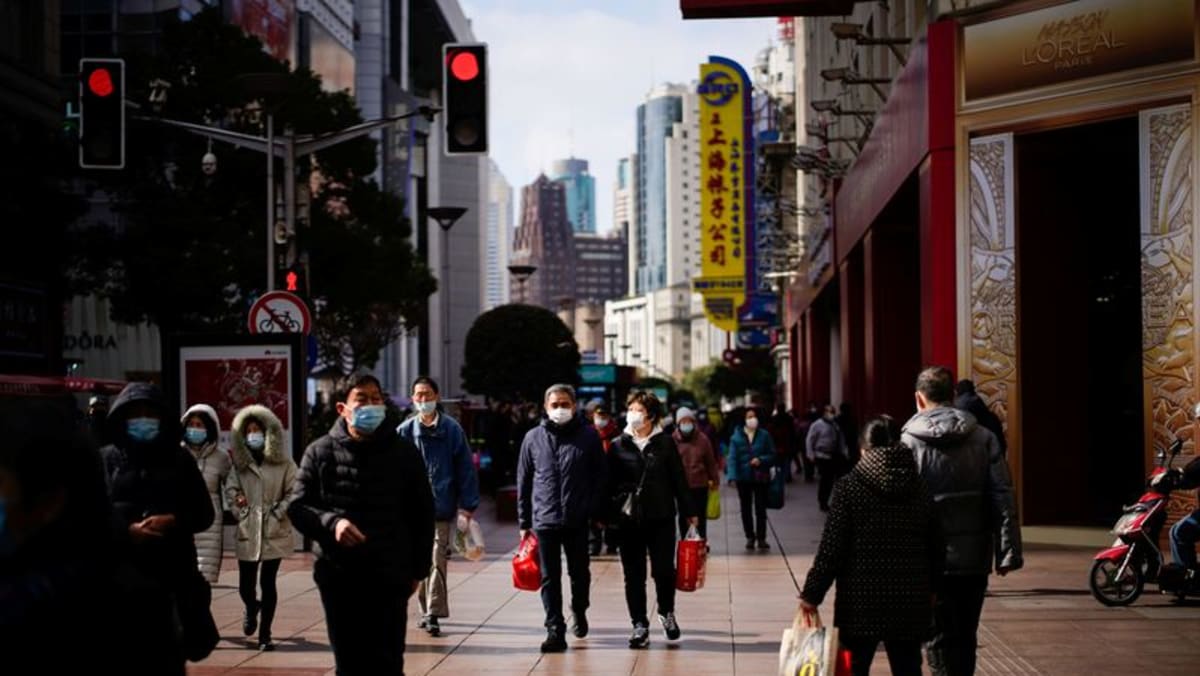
810,649
714,504
631,505
689,562
198,630
526,569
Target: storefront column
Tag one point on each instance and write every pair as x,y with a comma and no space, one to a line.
853,365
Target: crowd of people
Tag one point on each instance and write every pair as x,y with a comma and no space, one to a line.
918,516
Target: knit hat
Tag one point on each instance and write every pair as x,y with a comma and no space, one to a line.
684,412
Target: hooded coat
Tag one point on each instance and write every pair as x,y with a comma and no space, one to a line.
967,475
882,545
214,464
264,530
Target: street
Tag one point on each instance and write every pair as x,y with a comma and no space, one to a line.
1041,620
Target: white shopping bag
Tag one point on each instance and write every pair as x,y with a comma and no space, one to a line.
468,539
808,649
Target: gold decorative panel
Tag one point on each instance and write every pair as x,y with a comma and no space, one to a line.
993,301
1168,351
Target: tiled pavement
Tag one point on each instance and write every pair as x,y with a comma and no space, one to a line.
1038,621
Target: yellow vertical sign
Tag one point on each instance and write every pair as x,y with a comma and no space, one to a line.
723,244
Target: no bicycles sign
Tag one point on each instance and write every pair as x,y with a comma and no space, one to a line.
280,312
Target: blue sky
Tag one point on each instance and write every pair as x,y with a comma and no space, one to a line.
566,76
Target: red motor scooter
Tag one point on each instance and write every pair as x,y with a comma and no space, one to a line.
1120,572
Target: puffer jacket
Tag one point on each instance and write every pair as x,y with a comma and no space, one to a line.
699,460
214,465
967,475
560,476
380,485
448,459
742,450
664,491
882,545
264,530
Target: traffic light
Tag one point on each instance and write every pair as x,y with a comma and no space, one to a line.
102,113
464,86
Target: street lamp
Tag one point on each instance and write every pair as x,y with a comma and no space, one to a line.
446,218
522,273
855,32
610,345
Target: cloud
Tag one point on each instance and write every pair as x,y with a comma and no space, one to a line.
566,77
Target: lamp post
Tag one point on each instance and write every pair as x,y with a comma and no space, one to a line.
446,217
521,273
610,347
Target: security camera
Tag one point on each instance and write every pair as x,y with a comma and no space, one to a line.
208,164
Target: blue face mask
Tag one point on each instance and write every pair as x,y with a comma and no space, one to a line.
142,430
255,441
366,419
426,407
195,435
687,428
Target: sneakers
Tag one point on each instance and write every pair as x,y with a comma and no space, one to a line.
670,626
554,643
762,544
265,645
640,637
579,625
430,624
250,620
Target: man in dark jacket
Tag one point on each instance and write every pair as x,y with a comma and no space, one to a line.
968,478
159,502
560,481
363,495
967,399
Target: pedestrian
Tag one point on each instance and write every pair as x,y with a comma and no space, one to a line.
803,425
159,502
751,454
603,534
700,467
201,438
783,435
967,399
968,477
455,484
261,490
560,486
647,473
847,423
97,419
882,545
1186,531
362,493
826,447
59,610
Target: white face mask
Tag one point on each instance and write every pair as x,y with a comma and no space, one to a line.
560,416
635,419
601,421
751,423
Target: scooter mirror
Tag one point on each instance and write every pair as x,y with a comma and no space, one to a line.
1176,447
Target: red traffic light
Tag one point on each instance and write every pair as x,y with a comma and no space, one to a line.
292,278
100,82
464,66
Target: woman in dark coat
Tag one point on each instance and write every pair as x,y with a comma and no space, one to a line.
882,545
645,463
159,502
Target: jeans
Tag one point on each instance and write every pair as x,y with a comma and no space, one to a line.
1184,535
753,497
903,656
656,538
247,571
432,598
700,503
951,651
366,621
553,543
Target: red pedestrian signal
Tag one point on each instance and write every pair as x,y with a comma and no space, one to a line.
292,279
102,113
464,94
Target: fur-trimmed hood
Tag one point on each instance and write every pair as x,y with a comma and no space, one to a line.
211,423
274,451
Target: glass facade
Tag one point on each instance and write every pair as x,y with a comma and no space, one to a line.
581,193
654,119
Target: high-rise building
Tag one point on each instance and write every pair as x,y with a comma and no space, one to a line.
625,214
497,238
683,194
581,192
655,121
600,267
545,241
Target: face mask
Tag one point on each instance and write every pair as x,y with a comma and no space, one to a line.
426,407
195,435
751,423
601,422
687,428
366,419
829,416
560,416
142,429
255,441
635,419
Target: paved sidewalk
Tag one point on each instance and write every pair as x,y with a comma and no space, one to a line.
1039,621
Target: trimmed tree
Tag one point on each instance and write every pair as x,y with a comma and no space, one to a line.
514,352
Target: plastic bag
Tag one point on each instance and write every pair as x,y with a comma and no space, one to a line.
690,559
714,503
809,649
526,569
468,539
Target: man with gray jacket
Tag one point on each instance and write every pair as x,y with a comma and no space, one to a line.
966,474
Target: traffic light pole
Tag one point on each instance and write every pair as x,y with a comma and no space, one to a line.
271,203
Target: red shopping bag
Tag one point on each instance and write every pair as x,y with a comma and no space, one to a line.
689,562
526,570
